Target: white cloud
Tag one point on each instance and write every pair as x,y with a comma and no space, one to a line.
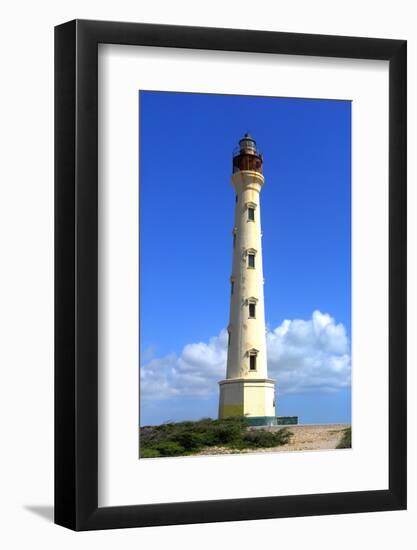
309,355
303,355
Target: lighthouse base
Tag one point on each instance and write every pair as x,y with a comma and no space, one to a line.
262,421
253,397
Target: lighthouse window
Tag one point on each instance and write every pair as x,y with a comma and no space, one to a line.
251,214
251,260
252,311
234,240
252,362
232,286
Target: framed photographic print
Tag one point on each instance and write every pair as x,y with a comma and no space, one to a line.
230,252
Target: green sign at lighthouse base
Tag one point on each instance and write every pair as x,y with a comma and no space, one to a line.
271,420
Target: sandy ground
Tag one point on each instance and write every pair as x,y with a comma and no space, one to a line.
311,437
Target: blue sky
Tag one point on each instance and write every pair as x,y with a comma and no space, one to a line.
186,219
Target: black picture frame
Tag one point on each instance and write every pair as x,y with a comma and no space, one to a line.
76,272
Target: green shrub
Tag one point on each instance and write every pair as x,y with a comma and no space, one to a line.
149,453
170,448
183,438
262,438
225,434
191,441
346,439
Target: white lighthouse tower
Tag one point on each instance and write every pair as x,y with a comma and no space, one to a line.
247,390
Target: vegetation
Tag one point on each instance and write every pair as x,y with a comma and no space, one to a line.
186,438
346,439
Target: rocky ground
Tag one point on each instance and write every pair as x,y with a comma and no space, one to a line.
308,437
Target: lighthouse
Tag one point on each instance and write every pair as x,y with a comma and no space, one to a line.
247,390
